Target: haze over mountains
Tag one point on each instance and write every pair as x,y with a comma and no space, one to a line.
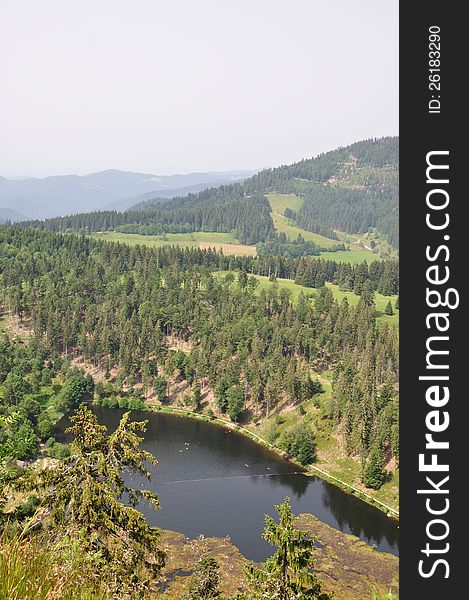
352,189
33,198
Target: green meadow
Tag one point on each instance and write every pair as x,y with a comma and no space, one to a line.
279,202
199,239
296,289
228,243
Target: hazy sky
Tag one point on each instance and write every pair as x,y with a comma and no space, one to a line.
167,86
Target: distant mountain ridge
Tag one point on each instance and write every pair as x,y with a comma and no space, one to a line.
354,189
59,195
8,214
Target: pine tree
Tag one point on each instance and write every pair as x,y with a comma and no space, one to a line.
287,574
235,397
205,580
197,398
161,388
373,475
83,496
367,293
388,310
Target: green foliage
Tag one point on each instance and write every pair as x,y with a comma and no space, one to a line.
287,574
82,496
388,310
299,442
161,389
271,433
242,279
374,475
77,388
388,596
197,398
15,387
39,569
59,451
28,508
18,439
235,402
205,580
263,342
221,393
367,295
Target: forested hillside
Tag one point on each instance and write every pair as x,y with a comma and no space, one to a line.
149,321
116,306
350,190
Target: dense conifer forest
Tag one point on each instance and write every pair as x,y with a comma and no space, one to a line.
116,306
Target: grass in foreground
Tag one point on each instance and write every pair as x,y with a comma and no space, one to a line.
31,570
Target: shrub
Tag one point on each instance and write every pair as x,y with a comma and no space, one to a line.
373,475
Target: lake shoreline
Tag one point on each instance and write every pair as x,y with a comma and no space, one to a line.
310,470
373,570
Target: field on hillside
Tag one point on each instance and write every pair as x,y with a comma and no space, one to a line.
351,256
228,243
199,239
279,202
284,225
295,289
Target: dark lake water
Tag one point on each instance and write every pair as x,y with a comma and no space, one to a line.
219,483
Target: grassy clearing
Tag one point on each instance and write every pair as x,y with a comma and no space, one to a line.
356,254
351,256
291,286
284,225
199,239
295,290
380,301
279,202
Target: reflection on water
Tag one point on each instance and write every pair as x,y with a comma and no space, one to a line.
296,483
219,483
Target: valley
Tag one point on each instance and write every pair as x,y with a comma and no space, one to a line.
269,307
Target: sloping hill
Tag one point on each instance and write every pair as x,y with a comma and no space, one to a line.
349,190
8,214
